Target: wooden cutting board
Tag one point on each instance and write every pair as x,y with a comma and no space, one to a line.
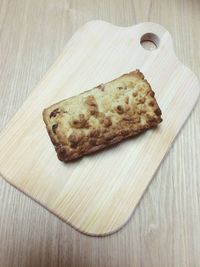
98,193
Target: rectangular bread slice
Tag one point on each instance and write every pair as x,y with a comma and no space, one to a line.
102,116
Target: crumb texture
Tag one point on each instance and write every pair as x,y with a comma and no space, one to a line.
102,116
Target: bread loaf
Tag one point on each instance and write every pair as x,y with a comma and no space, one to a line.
102,116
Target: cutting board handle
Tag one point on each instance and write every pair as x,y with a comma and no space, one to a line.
145,31
154,33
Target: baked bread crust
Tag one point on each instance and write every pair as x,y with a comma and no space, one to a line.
102,116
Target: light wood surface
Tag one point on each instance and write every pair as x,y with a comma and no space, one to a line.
165,228
92,194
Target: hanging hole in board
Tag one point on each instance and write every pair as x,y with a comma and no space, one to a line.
149,41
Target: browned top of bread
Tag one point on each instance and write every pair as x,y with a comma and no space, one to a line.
102,116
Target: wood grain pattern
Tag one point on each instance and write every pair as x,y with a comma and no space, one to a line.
165,228
91,194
